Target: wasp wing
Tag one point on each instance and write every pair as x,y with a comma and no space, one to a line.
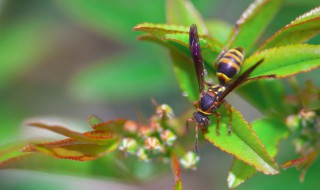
195,50
241,79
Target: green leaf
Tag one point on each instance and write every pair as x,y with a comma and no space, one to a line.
178,185
183,12
206,42
94,120
270,131
253,22
243,143
178,34
72,149
186,75
300,30
219,30
96,137
110,126
160,30
302,163
210,49
285,61
11,150
175,167
267,97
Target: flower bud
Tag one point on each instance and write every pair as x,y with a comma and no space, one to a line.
155,123
145,131
168,137
308,119
190,160
128,145
142,155
153,144
293,122
131,127
164,111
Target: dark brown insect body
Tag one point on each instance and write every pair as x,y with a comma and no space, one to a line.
227,68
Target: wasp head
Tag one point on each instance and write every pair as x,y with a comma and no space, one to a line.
201,119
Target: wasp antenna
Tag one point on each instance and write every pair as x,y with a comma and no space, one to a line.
196,140
154,103
187,123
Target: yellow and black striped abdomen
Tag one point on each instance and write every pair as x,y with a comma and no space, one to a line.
229,65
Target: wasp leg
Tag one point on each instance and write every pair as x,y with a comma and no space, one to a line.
208,83
196,139
154,103
218,122
230,117
196,104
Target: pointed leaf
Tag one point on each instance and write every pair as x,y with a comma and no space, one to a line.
304,163
183,12
176,172
271,132
219,30
72,149
253,21
93,120
10,151
96,137
210,49
300,30
110,126
205,42
186,75
160,30
178,34
243,143
267,97
285,61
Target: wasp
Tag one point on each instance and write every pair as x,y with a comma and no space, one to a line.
227,66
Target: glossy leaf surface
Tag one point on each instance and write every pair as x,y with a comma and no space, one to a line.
271,132
266,95
183,12
160,30
243,143
285,61
110,126
298,31
253,21
72,149
186,75
219,30
97,137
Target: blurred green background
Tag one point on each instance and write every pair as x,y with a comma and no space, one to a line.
67,59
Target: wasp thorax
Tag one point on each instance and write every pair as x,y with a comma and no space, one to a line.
201,119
